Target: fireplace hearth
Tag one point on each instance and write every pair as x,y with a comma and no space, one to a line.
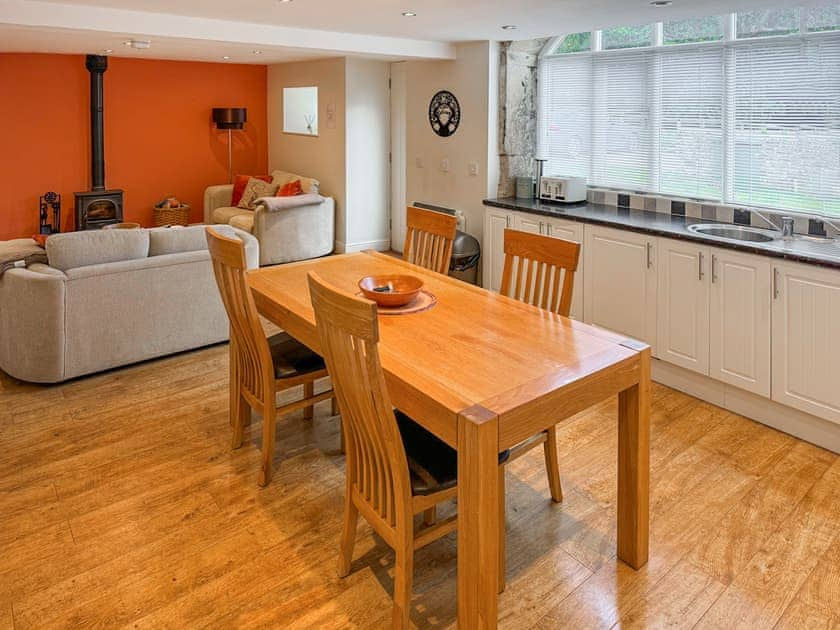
98,206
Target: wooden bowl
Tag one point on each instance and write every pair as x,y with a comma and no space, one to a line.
391,290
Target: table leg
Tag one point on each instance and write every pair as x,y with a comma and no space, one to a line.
634,467
478,519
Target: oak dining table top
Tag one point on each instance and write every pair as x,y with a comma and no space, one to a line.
473,347
484,372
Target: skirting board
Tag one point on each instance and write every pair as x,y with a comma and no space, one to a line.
792,421
346,248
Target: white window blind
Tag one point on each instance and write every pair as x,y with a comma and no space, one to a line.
750,122
785,147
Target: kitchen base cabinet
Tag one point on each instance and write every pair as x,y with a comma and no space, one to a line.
620,282
806,339
740,320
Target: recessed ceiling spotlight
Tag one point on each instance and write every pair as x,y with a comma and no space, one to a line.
226,57
257,52
409,14
108,51
284,1
661,3
509,27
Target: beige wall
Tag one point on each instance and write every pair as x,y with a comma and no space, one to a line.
321,157
473,79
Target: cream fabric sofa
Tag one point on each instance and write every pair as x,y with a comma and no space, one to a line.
285,235
110,298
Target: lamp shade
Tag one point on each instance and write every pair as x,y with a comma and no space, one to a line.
229,117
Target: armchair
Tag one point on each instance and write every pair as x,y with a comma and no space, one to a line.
285,235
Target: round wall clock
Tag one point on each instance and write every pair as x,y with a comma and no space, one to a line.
444,113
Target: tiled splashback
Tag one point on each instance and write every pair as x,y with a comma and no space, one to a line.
803,224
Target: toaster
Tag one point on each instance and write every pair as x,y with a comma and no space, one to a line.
563,189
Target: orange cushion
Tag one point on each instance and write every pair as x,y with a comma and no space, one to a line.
239,183
290,190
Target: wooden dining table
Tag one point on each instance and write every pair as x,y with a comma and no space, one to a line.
484,372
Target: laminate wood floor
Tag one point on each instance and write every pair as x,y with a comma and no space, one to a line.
121,504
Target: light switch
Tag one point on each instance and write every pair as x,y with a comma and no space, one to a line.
418,161
444,165
473,169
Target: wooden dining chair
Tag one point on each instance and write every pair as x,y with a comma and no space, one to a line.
544,269
395,467
428,238
259,366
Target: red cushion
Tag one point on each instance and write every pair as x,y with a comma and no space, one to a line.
290,190
239,183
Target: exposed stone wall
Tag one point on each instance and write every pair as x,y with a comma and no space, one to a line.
517,112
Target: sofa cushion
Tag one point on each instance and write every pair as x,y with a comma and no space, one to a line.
239,183
309,185
96,247
174,240
224,215
255,189
243,222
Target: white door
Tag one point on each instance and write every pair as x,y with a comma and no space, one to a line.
496,221
683,315
398,201
620,282
570,231
806,339
739,333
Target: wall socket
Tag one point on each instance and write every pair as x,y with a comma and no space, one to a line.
444,165
418,161
472,167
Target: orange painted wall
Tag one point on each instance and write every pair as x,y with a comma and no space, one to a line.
159,139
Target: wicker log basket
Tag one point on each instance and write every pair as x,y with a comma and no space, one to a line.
171,212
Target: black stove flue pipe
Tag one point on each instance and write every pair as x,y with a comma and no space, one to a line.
97,65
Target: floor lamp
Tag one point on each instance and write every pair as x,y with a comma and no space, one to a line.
230,118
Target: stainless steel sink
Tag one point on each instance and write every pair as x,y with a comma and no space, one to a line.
735,232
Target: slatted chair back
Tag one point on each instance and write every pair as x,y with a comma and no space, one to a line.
250,356
544,269
428,238
377,470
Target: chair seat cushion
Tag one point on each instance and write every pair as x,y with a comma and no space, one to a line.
433,464
243,222
291,358
225,214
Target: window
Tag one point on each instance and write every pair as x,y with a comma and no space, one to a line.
628,37
576,42
767,23
707,29
749,121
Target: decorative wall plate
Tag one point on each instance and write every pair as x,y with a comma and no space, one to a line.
444,113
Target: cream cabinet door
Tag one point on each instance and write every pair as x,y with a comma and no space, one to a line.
570,231
619,291
806,339
533,223
683,299
496,220
739,351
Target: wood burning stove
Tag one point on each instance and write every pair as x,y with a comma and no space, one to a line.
97,207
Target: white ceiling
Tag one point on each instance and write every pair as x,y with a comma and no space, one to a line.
209,29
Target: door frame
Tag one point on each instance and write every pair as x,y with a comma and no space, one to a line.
398,153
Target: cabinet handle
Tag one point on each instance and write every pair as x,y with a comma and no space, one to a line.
548,228
714,262
700,265
507,221
775,284
649,247
541,227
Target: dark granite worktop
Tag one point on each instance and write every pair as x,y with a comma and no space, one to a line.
825,254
